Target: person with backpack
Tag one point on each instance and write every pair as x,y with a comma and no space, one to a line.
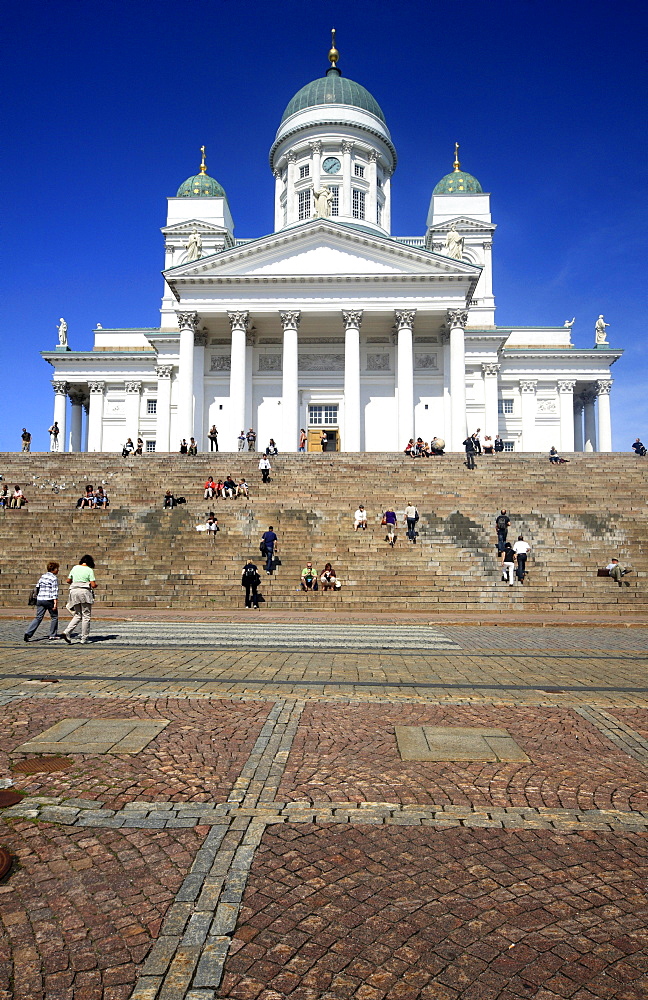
267,547
469,445
502,522
251,580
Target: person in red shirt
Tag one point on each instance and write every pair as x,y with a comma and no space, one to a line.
210,487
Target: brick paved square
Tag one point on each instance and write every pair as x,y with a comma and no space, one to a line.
196,757
350,753
95,736
456,743
415,913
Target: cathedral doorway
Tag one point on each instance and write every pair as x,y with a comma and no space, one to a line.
315,438
323,417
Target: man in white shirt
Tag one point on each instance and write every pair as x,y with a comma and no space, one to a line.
521,549
360,519
616,571
411,517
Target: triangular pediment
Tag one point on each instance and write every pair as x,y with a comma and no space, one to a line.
464,224
321,248
187,227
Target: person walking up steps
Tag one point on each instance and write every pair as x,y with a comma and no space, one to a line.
469,445
389,521
521,549
268,548
502,522
251,580
411,517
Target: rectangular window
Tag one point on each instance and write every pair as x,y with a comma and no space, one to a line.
505,406
150,446
509,446
379,181
379,214
358,204
151,406
335,203
304,204
358,170
325,414
304,171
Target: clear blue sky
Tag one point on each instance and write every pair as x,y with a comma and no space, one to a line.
106,106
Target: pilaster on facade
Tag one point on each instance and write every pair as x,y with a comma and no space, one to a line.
239,320
59,442
290,320
490,372
528,389
188,324
566,414
163,374
95,415
603,387
456,320
404,323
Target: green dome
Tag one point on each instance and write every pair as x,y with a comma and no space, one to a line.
458,182
201,186
333,89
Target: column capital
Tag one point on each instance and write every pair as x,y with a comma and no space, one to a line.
457,317
566,385
169,248
487,245
291,319
276,174
404,318
200,338
60,388
163,371
291,156
352,318
490,368
187,320
239,320
603,387
528,384
373,156
347,145
133,387
96,388
316,145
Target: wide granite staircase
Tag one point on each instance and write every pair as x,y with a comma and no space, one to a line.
575,516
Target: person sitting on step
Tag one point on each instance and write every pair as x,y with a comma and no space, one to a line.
308,577
328,578
210,488
169,501
18,498
101,500
229,488
616,571
242,490
87,500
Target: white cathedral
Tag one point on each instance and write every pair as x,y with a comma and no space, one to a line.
330,322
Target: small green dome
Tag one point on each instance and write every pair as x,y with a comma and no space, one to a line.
458,182
201,186
333,89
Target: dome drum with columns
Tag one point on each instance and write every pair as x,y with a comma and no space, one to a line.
330,322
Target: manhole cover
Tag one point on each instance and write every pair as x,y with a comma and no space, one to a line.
9,799
5,862
35,765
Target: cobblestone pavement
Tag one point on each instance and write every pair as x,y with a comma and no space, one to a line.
270,842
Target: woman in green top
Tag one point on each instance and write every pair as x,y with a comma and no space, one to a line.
82,586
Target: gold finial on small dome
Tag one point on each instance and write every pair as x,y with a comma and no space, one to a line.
203,165
456,166
333,55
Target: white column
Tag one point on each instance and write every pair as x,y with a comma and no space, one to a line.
239,323
405,374
352,423
566,412
290,381
589,399
163,409
250,343
345,206
187,322
386,221
86,428
316,153
60,400
200,342
291,197
528,390
95,415
372,200
133,399
76,422
278,212
457,319
491,422
578,424
488,268
603,387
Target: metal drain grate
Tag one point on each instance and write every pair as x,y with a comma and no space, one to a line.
6,862
34,765
9,799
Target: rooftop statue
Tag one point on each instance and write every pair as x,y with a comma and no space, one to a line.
599,331
454,243
62,333
323,199
194,247
569,323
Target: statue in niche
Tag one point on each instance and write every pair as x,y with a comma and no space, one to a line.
194,247
323,199
454,244
62,332
600,335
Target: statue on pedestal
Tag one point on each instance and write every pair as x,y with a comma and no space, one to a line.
569,323
599,331
454,243
323,199
62,333
194,247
